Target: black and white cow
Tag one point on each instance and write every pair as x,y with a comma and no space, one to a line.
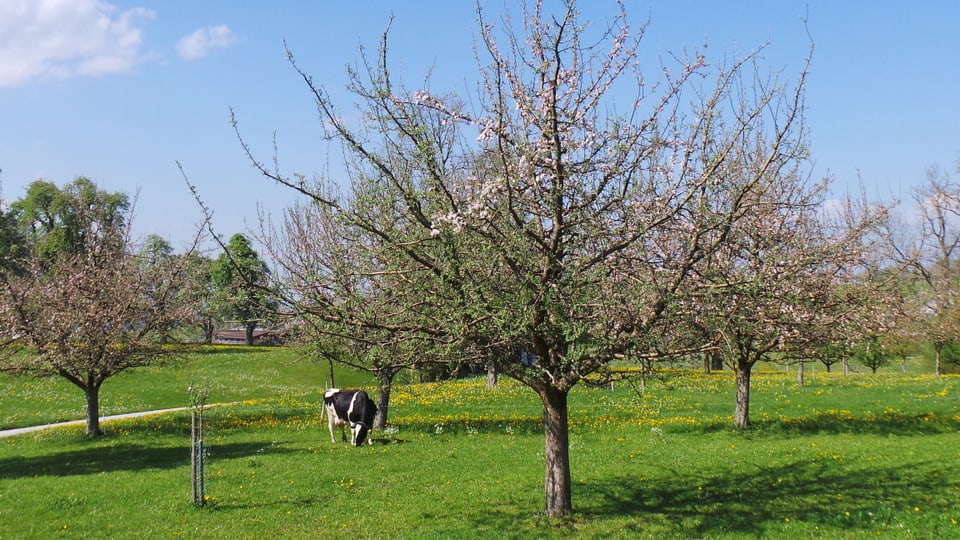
349,406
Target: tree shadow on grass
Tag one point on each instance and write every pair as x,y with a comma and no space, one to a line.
217,419
512,426
753,501
122,457
882,424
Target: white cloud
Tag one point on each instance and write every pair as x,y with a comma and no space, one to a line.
198,44
58,39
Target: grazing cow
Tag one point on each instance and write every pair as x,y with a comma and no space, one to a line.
349,406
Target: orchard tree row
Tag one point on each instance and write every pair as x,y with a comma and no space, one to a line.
583,208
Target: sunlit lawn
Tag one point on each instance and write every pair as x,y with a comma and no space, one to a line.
843,457
231,373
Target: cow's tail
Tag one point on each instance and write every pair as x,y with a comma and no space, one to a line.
323,402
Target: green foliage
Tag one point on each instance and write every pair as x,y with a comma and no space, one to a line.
155,250
240,278
55,220
200,292
11,242
951,352
870,353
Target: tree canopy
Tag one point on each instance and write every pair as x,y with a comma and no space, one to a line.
558,217
57,220
240,279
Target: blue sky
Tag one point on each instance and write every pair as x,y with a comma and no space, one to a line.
120,90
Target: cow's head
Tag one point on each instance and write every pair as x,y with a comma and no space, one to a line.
359,432
362,427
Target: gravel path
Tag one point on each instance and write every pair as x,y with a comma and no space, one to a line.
30,429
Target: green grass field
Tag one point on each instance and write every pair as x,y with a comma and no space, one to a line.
231,373
843,457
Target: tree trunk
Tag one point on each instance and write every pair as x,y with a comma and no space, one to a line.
250,327
717,359
491,374
208,330
936,366
92,391
383,400
741,414
800,373
557,489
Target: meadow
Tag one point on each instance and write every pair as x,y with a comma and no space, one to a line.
857,456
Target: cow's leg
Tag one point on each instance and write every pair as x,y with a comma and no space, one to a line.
330,423
366,434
